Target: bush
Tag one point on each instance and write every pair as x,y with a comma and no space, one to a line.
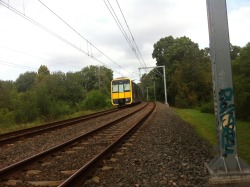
242,106
95,100
181,103
59,108
207,108
26,109
7,118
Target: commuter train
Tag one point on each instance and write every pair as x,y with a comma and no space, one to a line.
125,92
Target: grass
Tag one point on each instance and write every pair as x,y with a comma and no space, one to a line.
15,127
205,126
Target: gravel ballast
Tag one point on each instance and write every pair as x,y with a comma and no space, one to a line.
165,151
17,151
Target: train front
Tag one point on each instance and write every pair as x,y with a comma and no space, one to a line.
121,92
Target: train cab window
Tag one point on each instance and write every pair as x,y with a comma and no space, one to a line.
121,86
126,87
115,88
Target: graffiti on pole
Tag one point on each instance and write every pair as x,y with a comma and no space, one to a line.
227,118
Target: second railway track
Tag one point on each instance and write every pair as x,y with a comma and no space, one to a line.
63,164
26,133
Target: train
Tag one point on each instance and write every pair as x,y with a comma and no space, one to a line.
125,92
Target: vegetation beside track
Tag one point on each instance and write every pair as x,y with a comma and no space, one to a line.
205,126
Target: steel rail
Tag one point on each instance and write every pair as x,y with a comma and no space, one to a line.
30,132
23,163
78,178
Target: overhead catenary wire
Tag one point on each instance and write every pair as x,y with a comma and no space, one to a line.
131,33
39,25
38,57
112,12
89,44
51,32
156,71
7,63
132,43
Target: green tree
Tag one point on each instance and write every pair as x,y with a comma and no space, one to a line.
48,95
149,86
97,77
187,70
43,100
193,83
43,72
26,109
234,51
241,80
7,90
25,81
74,90
55,84
53,97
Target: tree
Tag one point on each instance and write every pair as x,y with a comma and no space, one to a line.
7,90
234,51
43,100
148,81
96,77
74,90
25,81
193,83
48,95
187,70
26,108
43,71
241,81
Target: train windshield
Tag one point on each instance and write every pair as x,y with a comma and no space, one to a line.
121,86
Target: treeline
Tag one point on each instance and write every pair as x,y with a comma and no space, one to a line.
189,77
46,96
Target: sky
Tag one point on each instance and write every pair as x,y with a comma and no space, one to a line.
70,35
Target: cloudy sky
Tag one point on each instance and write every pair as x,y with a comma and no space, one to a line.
74,34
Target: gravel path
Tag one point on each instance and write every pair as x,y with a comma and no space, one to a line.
164,152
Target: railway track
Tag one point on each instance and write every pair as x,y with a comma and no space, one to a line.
34,131
70,163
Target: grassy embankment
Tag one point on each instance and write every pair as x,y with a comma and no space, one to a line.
205,125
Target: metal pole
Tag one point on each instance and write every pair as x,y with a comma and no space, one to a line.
227,160
165,89
147,93
154,91
164,74
99,79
